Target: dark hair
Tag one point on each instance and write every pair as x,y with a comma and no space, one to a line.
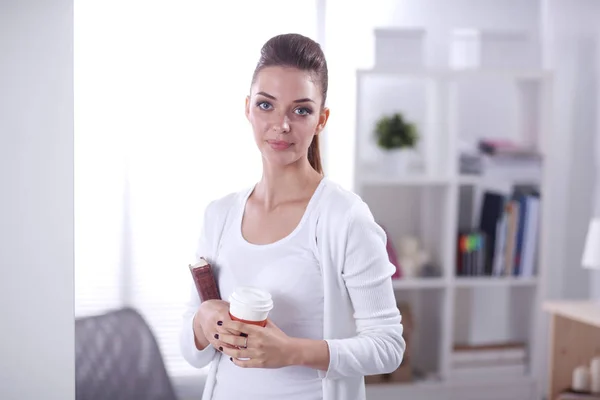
297,51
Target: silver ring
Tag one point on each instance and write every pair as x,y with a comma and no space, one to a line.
246,343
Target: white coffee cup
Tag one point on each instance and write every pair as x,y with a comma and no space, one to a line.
250,305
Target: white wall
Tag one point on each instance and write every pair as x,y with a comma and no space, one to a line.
36,201
573,52
440,17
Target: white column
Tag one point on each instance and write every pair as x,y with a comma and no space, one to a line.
595,275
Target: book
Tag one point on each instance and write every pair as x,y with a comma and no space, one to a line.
491,214
488,355
508,230
491,361
508,149
204,279
493,372
471,253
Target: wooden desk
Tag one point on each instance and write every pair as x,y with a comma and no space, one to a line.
574,340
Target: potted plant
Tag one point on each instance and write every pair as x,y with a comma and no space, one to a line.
397,137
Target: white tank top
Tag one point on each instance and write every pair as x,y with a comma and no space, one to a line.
289,271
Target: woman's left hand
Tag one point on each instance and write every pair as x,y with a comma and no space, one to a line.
267,347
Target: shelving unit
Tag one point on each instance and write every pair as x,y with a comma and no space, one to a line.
484,281
426,204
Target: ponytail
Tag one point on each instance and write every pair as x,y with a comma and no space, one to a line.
314,155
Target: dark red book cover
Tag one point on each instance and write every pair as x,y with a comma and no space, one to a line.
204,279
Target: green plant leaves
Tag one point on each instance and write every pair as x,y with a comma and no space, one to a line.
393,132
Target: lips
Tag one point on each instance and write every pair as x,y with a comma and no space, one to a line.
279,144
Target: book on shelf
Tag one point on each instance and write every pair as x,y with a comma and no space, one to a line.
471,253
501,159
490,372
489,354
502,360
508,149
509,228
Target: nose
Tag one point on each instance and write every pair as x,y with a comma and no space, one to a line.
282,124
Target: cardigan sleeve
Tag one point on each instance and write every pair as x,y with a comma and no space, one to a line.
378,346
197,358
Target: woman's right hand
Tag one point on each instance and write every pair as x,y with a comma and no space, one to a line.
206,322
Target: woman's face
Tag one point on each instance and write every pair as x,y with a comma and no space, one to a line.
285,110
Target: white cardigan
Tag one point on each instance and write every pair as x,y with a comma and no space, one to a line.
362,324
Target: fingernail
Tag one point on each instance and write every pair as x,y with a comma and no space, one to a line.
219,323
216,335
220,348
243,334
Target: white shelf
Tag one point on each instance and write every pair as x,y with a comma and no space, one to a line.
407,180
427,180
485,180
419,283
486,281
463,282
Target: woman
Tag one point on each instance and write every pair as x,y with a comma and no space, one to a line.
311,244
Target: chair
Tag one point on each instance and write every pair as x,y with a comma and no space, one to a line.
117,357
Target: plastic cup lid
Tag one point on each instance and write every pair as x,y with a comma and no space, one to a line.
252,297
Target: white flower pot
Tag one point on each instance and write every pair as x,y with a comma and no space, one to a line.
397,161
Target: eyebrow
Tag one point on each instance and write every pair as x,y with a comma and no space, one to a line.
304,100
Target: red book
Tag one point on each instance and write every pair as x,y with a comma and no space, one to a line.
204,278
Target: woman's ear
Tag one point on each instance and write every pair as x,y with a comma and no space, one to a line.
323,117
248,107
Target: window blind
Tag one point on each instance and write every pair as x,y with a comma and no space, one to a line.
160,131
